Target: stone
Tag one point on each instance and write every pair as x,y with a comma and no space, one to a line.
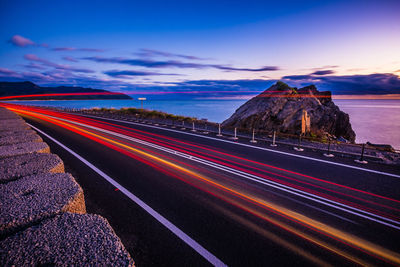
31,199
23,148
16,132
16,139
11,124
7,114
66,240
13,168
280,108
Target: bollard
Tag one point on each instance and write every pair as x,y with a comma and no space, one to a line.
361,160
183,125
193,129
329,154
205,129
273,140
235,137
299,148
252,139
173,124
219,130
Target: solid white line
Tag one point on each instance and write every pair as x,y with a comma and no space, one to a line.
288,189
179,233
250,146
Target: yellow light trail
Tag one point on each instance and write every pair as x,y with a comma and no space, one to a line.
321,227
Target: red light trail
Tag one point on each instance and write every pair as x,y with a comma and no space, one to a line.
220,184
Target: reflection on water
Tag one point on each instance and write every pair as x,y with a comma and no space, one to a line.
377,121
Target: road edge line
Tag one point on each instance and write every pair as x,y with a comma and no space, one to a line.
161,219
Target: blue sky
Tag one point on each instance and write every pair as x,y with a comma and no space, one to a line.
344,46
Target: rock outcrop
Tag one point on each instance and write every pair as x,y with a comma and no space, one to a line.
280,108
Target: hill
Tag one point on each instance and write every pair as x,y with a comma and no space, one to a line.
280,108
29,88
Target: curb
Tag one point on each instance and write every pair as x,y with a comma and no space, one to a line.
43,218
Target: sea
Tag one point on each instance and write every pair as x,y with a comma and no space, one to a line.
376,121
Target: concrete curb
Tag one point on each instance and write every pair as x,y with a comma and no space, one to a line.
17,167
24,148
11,140
42,215
8,133
80,240
32,199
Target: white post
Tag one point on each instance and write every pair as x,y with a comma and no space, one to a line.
193,129
253,140
299,148
205,129
183,125
235,137
273,140
219,130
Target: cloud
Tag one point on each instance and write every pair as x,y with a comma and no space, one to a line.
71,59
265,68
147,63
21,41
377,83
144,52
129,73
77,49
32,65
298,77
323,72
44,62
4,72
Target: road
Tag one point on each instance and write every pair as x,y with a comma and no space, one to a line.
177,197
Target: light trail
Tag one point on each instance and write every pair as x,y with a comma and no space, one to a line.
323,196
60,94
271,207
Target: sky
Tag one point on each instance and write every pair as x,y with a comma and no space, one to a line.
231,48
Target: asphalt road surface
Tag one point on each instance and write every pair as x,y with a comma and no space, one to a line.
177,197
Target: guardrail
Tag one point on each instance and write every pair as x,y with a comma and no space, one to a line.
362,153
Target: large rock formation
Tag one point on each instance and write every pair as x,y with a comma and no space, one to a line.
280,108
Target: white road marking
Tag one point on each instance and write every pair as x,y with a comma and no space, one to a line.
251,146
330,203
179,233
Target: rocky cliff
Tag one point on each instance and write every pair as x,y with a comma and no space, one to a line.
280,108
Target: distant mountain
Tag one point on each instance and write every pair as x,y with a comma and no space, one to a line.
29,88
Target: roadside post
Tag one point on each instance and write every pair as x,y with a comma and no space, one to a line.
219,130
193,129
205,128
252,139
361,160
299,148
329,154
235,135
273,140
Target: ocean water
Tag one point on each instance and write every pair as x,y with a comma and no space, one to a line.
376,121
